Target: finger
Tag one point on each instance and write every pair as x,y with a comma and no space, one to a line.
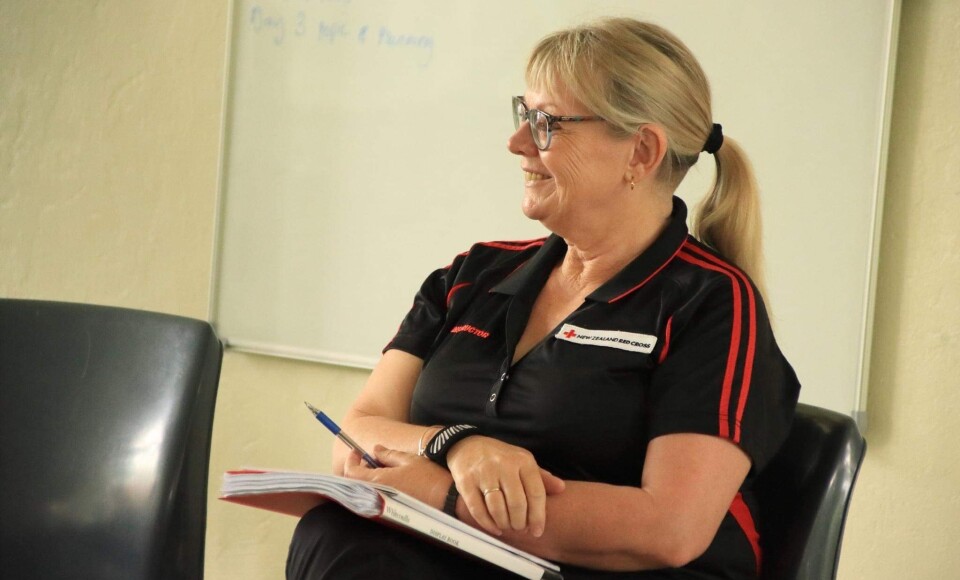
514,500
351,464
551,483
477,507
536,495
389,457
495,500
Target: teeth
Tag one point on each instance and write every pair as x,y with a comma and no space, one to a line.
533,176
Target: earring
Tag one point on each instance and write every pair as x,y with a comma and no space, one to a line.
629,177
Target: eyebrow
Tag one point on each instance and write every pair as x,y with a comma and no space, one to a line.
540,106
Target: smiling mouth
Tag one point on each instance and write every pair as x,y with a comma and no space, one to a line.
527,176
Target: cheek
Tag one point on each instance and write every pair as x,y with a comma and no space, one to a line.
570,168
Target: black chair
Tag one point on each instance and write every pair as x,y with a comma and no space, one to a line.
805,493
105,425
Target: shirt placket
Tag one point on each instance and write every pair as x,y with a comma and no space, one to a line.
518,313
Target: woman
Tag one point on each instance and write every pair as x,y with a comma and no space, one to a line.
604,397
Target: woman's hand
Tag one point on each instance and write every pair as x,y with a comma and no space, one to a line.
502,485
416,476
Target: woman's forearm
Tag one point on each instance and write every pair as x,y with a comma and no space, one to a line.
370,430
380,414
598,526
688,483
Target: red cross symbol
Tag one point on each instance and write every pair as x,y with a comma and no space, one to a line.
570,333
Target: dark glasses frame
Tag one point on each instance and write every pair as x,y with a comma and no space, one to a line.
532,115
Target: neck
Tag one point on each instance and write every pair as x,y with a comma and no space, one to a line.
595,254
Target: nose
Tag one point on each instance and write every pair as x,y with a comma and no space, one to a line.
521,142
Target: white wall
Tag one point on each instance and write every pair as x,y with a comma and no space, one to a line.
109,136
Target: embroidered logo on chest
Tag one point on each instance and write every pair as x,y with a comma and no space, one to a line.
471,329
632,341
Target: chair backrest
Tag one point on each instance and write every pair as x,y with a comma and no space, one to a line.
105,425
804,494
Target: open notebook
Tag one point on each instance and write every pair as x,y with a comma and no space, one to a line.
295,493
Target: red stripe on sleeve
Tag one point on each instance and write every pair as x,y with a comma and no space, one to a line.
733,353
741,513
751,333
454,289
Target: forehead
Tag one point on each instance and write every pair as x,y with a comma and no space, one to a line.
553,99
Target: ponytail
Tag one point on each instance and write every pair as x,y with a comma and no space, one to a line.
728,219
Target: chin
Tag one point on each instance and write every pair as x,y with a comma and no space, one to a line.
533,209
547,219
537,206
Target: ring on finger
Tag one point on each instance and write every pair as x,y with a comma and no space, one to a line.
491,490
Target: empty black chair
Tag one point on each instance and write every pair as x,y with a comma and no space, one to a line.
804,495
105,425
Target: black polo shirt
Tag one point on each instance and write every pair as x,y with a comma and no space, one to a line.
677,341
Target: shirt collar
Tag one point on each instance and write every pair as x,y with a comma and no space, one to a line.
532,274
651,261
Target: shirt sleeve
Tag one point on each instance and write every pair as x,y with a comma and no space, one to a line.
723,373
426,318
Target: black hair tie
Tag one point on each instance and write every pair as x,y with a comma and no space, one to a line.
715,140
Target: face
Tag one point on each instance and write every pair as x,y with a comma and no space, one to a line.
580,175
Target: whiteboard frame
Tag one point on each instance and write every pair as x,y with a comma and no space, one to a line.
870,292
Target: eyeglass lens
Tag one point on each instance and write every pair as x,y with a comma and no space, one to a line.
539,123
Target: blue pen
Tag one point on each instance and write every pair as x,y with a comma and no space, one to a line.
336,430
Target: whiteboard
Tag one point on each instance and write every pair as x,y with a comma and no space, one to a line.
365,146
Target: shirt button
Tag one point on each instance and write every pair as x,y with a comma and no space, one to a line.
493,397
504,377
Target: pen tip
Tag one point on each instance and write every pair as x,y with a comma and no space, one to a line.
313,409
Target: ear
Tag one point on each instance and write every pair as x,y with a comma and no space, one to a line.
650,147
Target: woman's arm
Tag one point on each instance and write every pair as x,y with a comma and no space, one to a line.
379,417
381,413
688,484
689,481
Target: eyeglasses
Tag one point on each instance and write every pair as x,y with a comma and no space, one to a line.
542,124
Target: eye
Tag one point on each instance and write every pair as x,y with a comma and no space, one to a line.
541,121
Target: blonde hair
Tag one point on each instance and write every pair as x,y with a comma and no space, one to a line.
632,73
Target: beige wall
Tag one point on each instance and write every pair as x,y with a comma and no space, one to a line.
905,518
109,136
